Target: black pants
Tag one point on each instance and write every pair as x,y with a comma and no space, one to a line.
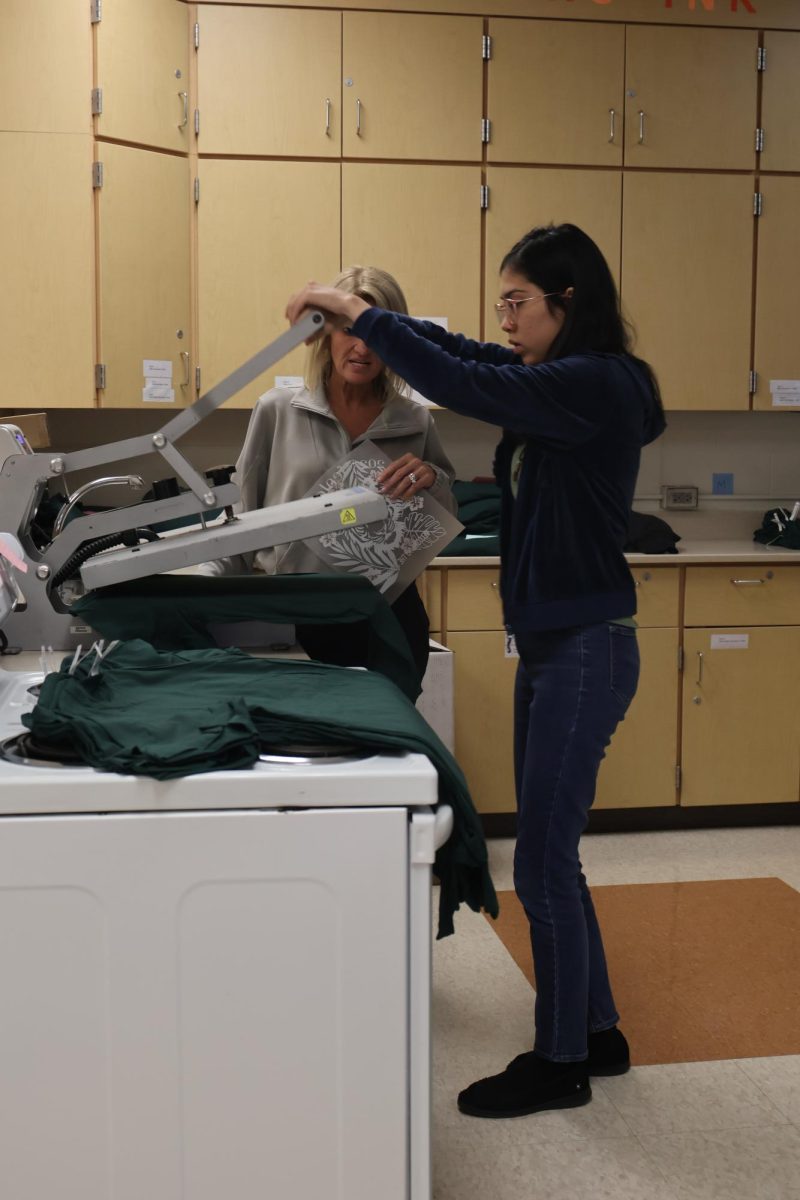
346,645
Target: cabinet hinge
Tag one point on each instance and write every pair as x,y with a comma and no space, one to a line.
197,379
758,204
484,195
486,130
97,174
197,35
97,101
753,382
96,10
680,658
99,375
197,122
197,190
761,59
678,777
759,140
487,47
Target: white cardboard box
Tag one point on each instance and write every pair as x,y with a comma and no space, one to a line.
436,701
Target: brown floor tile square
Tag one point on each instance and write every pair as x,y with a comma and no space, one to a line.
700,971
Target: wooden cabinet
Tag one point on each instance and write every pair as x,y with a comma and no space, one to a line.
743,594
555,93
263,229
412,86
45,67
436,260
639,770
777,351
483,684
269,82
430,589
780,103
145,310
690,97
143,73
47,252
522,197
740,731
687,265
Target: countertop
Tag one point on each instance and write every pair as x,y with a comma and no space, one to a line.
689,552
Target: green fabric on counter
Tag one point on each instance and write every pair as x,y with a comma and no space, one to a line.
168,715
479,513
173,612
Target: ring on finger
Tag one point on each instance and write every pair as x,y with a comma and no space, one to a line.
412,477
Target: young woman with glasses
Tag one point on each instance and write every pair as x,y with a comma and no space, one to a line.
576,407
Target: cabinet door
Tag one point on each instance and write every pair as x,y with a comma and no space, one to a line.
556,92
484,717
45,67
47,252
269,81
143,70
780,103
413,86
657,595
143,222
522,197
639,768
248,267
687,265
472,599
740,730
690,97
777,350
435,257
742,594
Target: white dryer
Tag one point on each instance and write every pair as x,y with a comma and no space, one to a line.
217,986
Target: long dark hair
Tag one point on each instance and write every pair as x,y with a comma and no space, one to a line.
557,257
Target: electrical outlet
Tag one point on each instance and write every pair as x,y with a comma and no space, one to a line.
722,483
674,496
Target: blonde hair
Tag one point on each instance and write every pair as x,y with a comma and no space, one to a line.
376,287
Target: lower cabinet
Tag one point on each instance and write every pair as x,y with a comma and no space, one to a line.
483,686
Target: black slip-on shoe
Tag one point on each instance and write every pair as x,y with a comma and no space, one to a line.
529,1084
609,1053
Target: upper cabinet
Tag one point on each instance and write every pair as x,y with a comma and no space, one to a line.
45,67
47,252
780,103
412,86
144,289
143,73
690,97
269,82
556,92
777,354
687,269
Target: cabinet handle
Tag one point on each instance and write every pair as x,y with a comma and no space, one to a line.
646,577
641,126
327,117
699,680
185,357
612,113
358,118
185,98
748,582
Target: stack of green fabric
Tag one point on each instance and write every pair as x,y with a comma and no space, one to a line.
479,513
171,714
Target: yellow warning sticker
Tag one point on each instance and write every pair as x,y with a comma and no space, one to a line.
347,516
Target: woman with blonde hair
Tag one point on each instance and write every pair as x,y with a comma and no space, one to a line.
295,434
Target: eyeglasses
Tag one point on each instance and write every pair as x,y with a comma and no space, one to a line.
508,308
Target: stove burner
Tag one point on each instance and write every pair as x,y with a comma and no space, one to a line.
24,750
35,689
311,754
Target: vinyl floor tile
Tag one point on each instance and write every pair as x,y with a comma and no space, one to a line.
741,1164
779,1080
690,1097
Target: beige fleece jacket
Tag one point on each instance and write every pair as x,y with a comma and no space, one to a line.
293,437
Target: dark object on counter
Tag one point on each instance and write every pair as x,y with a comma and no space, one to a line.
777,529
173,612
650,535
479,513
170,715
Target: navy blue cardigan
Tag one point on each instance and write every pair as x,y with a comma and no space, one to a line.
584,420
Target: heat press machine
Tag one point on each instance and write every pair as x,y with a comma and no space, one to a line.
41,578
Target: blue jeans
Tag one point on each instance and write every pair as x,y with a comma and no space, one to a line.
573,688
